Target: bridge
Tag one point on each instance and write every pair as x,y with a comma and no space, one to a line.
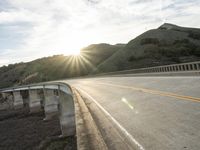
149,108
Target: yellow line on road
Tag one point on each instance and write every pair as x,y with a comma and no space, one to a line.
156,92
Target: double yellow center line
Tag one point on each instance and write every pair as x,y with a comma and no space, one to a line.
156,92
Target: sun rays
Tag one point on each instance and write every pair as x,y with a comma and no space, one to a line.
78,64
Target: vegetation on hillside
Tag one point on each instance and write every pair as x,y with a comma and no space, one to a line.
56,67
166,45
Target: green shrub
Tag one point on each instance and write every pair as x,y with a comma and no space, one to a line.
184,41
132,58
154,41
194,35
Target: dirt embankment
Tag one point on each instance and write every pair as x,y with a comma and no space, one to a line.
20,130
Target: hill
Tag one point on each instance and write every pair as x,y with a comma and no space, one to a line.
98,53
166,45
56,67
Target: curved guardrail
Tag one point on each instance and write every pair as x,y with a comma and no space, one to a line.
57,99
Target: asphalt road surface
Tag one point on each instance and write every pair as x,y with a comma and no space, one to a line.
159,112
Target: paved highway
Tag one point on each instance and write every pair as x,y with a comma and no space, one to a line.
160,113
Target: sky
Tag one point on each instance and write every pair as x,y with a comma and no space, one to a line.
31,29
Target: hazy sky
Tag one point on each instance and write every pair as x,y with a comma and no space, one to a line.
31,29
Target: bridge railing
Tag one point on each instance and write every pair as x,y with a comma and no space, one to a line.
182,67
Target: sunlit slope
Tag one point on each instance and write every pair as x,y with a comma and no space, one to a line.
57,67
97,53
166,45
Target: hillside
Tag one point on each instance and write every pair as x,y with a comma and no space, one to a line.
98,53
56,67
166,45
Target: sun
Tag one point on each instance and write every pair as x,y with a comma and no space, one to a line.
72,52
75,52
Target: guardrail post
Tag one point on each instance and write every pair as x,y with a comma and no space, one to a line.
174,68
164,69
18,100
50,104
25,97
34,101
170,68
198,66
178,68
186,67
67,114
193,67
181,67
189,67
156,69
167,69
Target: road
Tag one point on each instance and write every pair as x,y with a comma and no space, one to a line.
160,113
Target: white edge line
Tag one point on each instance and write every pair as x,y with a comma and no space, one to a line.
115,121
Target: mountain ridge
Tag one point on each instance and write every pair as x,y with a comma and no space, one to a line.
167,44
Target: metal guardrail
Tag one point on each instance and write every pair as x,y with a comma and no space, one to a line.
182,67
70,108
54,86
65,103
